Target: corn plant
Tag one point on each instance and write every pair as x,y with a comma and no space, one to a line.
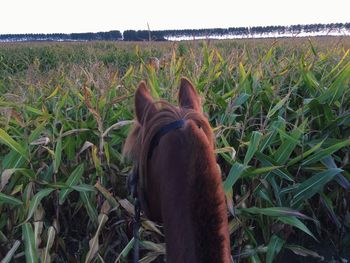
280,112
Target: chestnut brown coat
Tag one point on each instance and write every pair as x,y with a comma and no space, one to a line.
180,184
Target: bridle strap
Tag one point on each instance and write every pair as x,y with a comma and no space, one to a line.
162,131
132,187
134,179
136,227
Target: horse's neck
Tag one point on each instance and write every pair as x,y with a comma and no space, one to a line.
180,239
192,200
194,215
196,231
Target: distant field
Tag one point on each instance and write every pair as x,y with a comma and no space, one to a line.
280,111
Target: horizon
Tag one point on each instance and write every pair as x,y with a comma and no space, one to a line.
170,29
41,17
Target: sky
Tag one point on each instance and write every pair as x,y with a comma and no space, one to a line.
74,16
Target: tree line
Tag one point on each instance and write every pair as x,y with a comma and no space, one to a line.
163,35
143,35
111,35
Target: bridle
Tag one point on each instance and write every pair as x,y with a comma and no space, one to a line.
133,180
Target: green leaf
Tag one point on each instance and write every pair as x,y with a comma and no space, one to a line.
255,259
279,105
338,86
126,250
274,247
51,232
305,154
263,170
6,199
272,131
314,51
287,147
128,73
267,161
11,252
36,200
313,185
12,160
338,65
243,97
6,139
153,83
301,251
311,81
58,154
33,110
253,146
293,221
29,244
325,152
269,55
340,179
9,172
234,174
83,188
274,212
72,180
36,132
54,92
89,207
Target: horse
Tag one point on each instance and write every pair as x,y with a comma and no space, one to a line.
179,182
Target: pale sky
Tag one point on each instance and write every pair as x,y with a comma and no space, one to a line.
68,16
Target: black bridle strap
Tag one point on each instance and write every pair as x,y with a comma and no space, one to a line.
136,227
162,131
132,186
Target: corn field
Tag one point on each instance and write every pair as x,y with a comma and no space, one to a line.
280,112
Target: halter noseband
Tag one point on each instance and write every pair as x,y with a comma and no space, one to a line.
134,178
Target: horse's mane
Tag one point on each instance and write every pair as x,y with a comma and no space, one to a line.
208,202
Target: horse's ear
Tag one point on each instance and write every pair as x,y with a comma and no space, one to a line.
144,106
188,96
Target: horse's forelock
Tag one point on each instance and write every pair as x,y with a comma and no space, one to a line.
139,139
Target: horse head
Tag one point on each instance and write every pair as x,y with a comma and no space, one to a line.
178,180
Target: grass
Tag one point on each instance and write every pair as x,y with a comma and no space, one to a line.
280,111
